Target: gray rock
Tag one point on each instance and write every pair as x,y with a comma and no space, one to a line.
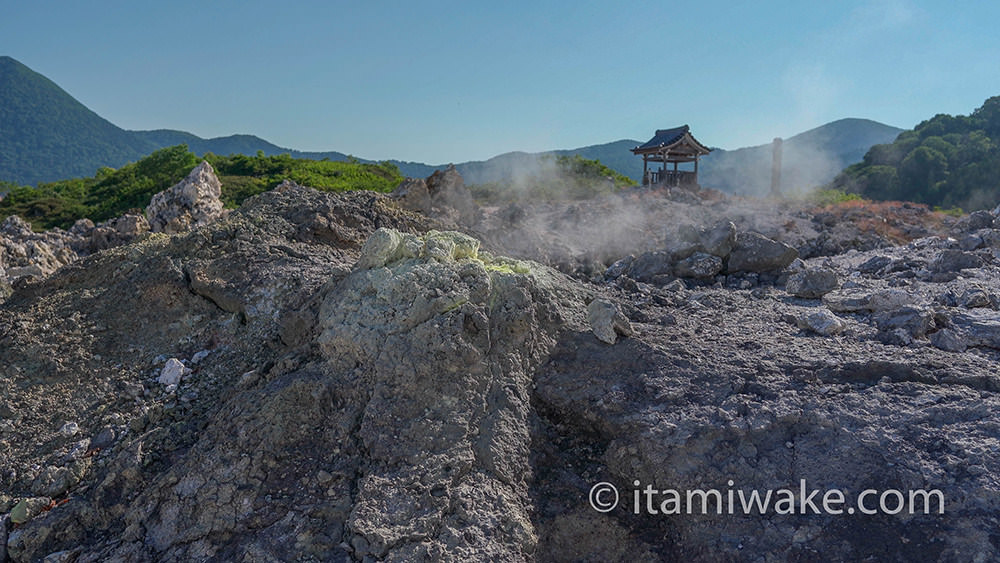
976,220
54,481
699,265
191,203
29,271
915,321
858,300
649,265
719,240
874,264
69,429
813,283
82,227
955,260
948,339
104,438
975,297
607,321
756,253
442,194
4,527
990,237
971,241
979,327
822,322
619,268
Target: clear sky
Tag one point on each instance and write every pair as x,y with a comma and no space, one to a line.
442,82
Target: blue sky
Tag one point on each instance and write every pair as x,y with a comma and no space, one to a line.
445,82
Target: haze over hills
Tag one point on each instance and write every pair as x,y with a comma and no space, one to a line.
809,159
48,135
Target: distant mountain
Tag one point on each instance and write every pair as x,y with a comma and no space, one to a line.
47,135
808,160
511,165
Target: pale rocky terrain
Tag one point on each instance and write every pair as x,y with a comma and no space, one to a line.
360,377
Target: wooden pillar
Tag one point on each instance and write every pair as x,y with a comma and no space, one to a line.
776,167
696,168
645,170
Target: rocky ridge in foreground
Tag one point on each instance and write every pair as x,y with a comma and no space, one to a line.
330,378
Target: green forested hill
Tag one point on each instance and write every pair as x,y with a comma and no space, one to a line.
947,161
46,134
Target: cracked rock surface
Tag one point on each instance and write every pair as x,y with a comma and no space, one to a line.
350,381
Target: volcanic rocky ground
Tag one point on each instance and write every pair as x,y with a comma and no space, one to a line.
360,377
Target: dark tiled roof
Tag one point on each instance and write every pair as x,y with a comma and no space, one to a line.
665,137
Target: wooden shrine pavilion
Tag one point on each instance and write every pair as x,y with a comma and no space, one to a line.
671,146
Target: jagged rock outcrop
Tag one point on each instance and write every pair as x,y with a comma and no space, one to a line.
24,253
442,194
193,202
27,254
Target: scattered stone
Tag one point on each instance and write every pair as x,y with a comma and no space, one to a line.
855,300
948,339
896,337
69,429
54,481
812,283
975,297
648,266
607,321
822,322
104,438
172,372
699,265
719,240
950,260
915,321
27,509
199,356
619,268
970,241
874,264
979,327
756,253
976,220
676,286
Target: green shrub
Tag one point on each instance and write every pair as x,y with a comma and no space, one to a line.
111,193
832,196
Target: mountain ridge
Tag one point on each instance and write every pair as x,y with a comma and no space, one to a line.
49,136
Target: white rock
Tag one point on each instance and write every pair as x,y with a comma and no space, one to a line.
69,429
172,373
822,322
607,321
193,202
